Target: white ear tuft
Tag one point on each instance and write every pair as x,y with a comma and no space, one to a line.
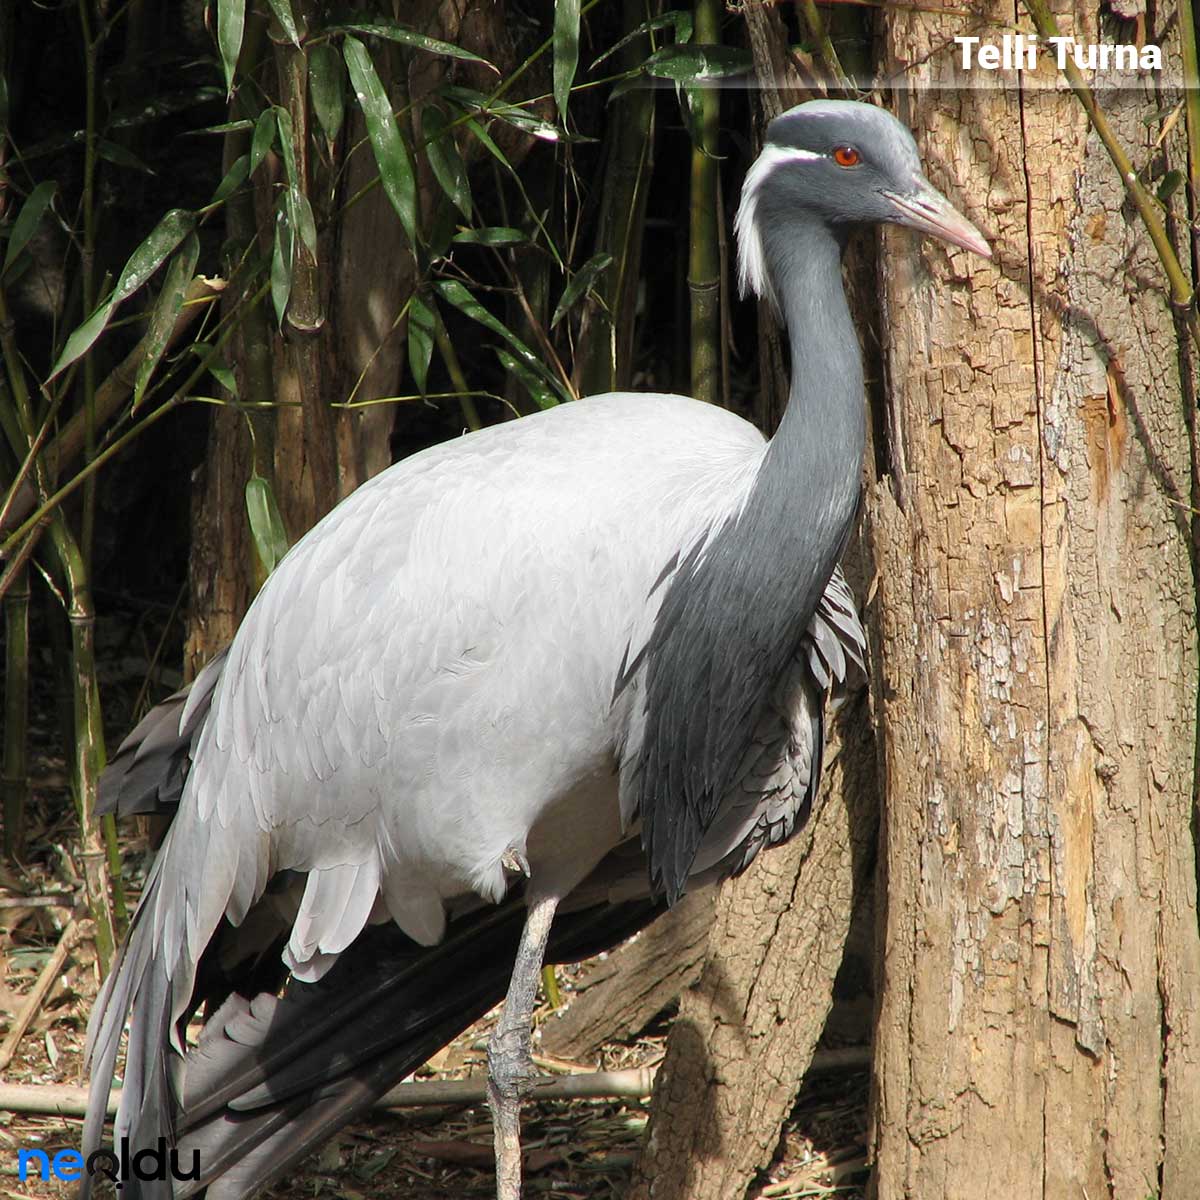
752,265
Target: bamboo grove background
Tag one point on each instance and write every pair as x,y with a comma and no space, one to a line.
255,250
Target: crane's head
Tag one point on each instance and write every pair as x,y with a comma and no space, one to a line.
847,164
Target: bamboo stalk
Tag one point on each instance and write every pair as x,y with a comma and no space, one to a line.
704,257
14,777
820,35
1182,294
604,355
1191,95
450,358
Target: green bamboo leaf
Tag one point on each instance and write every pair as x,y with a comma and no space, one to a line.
543,397
154,108
283,14
1170,184
151,254
264,137
28,220
422,323
486,140
326,85
490,235
697,62
142,264
510,114
287,144
302,221
266,522
283,258
223,128
455,293
162,316
225,377
681,21
392,32
120,157
234,178
391,154
231,24
580,283
444,159
81,338
566,53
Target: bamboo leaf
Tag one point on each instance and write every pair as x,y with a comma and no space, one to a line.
81,338
445,161
456,294
566,53
391,154
283,14
1170,184
264,136
287,144
580,284
142,264
225,377
422,324
510,114
120,157
696,62
326,85
302,219
682,22
490,235
162,316
234,178
486,140
151,254
28,220
231,24
154,108
393,32
543,397
266,523
283,258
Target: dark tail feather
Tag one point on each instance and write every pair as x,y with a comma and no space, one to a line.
271,1079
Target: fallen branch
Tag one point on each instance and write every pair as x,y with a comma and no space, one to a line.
50,973
632,1084
62,900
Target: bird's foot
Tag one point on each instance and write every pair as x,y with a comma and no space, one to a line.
510,1077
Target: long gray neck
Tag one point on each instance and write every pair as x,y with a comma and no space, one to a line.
734,615
814,461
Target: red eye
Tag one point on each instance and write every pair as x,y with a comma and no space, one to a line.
846,156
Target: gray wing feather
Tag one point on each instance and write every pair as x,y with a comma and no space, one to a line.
148,770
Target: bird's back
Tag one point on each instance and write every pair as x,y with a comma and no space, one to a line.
431,669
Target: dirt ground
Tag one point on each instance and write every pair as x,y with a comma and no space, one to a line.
577,1149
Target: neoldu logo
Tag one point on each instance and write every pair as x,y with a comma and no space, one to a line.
116,1165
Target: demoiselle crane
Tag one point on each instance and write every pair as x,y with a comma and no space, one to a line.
500,705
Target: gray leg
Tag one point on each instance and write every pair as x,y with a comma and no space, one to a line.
510,1061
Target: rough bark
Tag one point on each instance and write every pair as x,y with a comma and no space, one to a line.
1036,672
746,1031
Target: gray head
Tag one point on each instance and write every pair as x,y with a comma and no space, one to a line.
847,164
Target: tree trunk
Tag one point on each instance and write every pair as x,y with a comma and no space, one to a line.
746,1030
1035,670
